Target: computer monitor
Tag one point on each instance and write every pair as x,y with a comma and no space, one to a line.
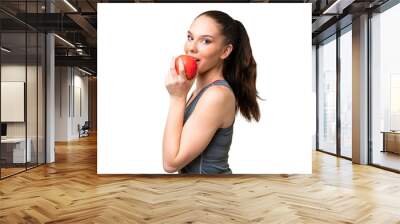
3,129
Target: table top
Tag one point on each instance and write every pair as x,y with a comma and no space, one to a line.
391,132
13,140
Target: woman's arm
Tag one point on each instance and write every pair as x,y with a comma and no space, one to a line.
172,132
178,87
183,143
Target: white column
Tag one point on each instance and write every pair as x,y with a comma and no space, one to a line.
63,101
360,90
50,93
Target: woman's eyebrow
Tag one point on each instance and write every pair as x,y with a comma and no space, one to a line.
201,35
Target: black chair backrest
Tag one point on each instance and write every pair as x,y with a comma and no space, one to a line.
86,125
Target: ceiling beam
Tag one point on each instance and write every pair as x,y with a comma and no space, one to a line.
85,61
84,24
320,22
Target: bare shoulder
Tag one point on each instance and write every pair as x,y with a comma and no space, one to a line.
218,95
220,101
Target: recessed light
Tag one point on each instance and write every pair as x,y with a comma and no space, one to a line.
5,49
86,72
70,5
64,40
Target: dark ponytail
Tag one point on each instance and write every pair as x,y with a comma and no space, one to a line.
240,67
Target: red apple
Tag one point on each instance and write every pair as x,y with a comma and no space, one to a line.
190,65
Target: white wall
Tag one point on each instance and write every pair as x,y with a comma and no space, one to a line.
69,82
34,124
12,73
61,103
80,83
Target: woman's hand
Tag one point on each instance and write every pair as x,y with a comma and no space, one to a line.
177,85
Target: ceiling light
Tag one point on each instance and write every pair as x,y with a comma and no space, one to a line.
64,40
86,72
338,6
70,5
5,49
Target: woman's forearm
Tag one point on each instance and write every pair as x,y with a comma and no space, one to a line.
173,130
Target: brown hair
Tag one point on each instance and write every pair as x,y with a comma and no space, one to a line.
239,68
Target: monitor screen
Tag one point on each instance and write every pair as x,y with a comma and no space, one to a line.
3,129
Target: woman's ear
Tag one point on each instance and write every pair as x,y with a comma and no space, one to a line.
227,51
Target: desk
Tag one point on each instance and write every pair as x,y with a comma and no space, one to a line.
15,148
391,141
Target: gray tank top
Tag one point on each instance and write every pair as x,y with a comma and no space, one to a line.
214,159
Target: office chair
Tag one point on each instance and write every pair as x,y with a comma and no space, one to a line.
84,130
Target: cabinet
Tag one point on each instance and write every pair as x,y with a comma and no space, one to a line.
391,141
13,150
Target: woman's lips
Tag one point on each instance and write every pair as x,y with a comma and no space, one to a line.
196,59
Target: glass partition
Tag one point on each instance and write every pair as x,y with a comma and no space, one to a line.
13,108
33,72
385,89
32,95
41,85
327,95
22,77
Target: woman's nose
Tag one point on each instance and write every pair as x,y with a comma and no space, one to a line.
192,47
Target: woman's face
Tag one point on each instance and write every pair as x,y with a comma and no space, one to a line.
206,43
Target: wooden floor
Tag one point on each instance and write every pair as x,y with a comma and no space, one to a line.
70,191
8,171
5,172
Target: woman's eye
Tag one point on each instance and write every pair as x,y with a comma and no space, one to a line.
206,41
189,37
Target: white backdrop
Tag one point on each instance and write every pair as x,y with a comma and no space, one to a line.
135,45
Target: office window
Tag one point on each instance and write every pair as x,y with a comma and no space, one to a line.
327,95
346,93
385,88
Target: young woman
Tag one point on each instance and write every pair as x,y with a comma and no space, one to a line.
198,133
